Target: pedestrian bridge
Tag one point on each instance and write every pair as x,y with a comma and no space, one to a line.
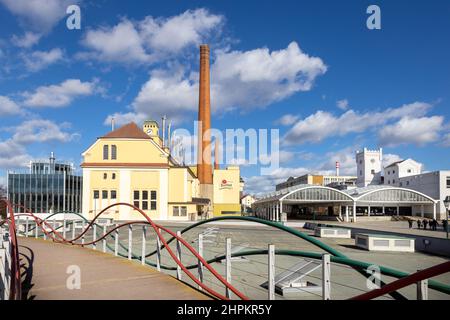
53,271
50,259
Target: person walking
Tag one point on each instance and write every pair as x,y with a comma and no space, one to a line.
419,224
435,223
410,223
425,223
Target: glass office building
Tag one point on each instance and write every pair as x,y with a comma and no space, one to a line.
47,187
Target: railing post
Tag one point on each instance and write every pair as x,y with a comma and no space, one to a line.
158,252
54,230
43,229
94,236
228,265
422,289
326,283
82,230
26,227
64,227
36,230
144,242
130,240
73,229
200,264
179,255
116,241
104,239
271,273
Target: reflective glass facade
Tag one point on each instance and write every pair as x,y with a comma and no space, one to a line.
48,187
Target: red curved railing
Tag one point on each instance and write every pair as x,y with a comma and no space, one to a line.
15,292
54,234
406,281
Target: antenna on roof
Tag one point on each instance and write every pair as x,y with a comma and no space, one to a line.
112,123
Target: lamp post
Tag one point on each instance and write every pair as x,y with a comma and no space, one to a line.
447,208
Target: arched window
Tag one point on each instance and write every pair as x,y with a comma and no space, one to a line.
105,152
113,152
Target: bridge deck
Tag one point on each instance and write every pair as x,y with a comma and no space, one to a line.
103,276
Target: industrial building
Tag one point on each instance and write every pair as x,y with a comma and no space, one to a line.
400,188
134,165
47,187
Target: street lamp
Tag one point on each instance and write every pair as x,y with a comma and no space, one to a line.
447,209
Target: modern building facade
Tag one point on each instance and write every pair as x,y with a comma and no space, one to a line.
48,187
319,202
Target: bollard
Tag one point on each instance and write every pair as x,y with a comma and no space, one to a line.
116,242
179,255
271,272
326,283
144,242
104,239
228,265
53,232
64,228
130,240
158,252
200,265
36,230
73,229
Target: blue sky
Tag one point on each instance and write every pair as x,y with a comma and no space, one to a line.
311,69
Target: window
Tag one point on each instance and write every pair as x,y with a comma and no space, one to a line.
113,176
113,152
105,152
409,170
360,172
183,211
104,194
389,172
389,181
144,200
153,200
407,183
96,194
105,176
401,184
176,211
448,182
372,171
136,199
393,171
113,194
393,181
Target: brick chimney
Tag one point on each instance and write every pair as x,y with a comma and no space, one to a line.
204,165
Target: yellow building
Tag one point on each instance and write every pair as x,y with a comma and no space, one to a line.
131,165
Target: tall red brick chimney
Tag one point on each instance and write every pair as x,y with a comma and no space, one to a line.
204,165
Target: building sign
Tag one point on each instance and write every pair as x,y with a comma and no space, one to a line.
225,184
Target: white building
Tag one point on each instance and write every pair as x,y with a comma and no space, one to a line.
434,184
246,202
368,165
401,169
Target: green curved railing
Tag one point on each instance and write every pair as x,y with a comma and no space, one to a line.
336,256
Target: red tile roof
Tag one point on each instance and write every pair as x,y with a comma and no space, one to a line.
130,130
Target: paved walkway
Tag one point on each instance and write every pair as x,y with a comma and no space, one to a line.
45,267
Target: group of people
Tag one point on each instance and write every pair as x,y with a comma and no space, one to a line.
432,223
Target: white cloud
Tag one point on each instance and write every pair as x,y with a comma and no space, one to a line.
177,32
39,60
41,131
13,155
121,119
9,107
390,158
321,125
28,40
150,39
37,14
342,104
418,131
243,80
59,95
287,120
446,140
